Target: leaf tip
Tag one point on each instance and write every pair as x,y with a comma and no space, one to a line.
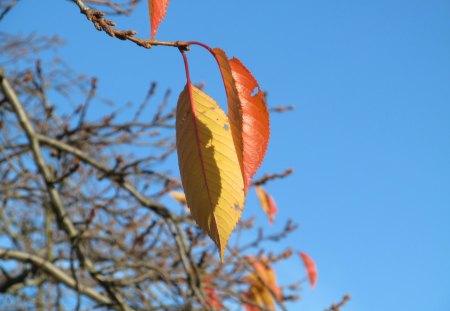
157,10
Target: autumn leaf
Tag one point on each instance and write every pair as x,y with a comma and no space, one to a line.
254,296
258,292
267,203
247,110
157,10
212,296
178,196
209,167
311,268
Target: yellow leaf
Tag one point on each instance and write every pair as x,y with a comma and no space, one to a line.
178,196
267,203
209,167
258,292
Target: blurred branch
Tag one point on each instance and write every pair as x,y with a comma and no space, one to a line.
339,305
157,208
13,280
124,8
268,177
40,162
282,108
54,271
57,205
6,8
19,47
109,173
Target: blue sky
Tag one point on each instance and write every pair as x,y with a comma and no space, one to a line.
369,139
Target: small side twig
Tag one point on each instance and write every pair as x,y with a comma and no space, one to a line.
91,94
7,8
263,180
339,305
150,93
282,108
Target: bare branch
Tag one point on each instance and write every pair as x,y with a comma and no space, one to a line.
57,205
6,8
339,305
54,271
266,178
103,24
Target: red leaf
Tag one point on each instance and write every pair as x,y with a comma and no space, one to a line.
311,268
157,10
211,295
249,117
267,203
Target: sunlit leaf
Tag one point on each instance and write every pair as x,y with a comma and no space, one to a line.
249,117
209,166
157,10
267,203
311,268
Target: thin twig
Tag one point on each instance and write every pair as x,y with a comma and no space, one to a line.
282,108
263,180
103,24
339,305
7,8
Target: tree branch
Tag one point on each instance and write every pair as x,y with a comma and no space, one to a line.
103,24
6,8
11,281
159,209
109,173
39,159
263,180
55,272
339,305
57,205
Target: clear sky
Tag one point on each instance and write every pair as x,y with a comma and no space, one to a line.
369,139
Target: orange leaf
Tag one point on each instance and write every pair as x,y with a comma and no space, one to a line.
249,117
267,203
157,10
211,295
258,292
311,268
209,167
